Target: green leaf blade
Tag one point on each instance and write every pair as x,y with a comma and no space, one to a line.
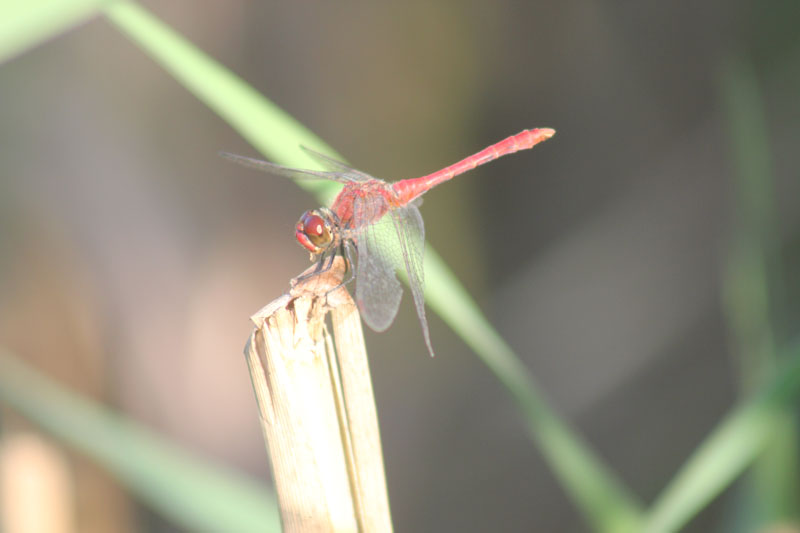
25,24
185,489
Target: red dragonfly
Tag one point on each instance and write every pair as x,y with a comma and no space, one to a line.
381,222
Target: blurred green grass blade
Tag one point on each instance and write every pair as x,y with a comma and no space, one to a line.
747,280
752,278
750,153
736,442
597,493
26,23
186,490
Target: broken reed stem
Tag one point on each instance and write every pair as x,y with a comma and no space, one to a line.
317,409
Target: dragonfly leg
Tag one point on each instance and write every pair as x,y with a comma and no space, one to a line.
320,269
325,263
344,251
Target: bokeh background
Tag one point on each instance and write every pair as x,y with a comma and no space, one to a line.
131,255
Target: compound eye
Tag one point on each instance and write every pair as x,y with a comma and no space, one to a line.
313,231
313,226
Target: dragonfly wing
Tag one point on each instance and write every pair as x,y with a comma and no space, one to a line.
286,172
378,292
337,166
411,237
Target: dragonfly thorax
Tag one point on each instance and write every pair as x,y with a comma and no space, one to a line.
315,231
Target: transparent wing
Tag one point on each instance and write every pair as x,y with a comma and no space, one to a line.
411,237
351,175
337,166
378,292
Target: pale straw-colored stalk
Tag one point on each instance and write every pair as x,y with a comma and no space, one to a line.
317,409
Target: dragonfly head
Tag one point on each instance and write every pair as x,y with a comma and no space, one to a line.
315,231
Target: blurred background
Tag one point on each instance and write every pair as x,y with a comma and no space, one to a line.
131,255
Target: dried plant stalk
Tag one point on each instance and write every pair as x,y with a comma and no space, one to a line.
36,489
317,409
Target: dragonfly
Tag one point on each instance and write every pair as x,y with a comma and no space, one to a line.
377,227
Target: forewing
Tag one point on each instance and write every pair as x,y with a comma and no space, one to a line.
378,292
338,167
287,172
411,236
